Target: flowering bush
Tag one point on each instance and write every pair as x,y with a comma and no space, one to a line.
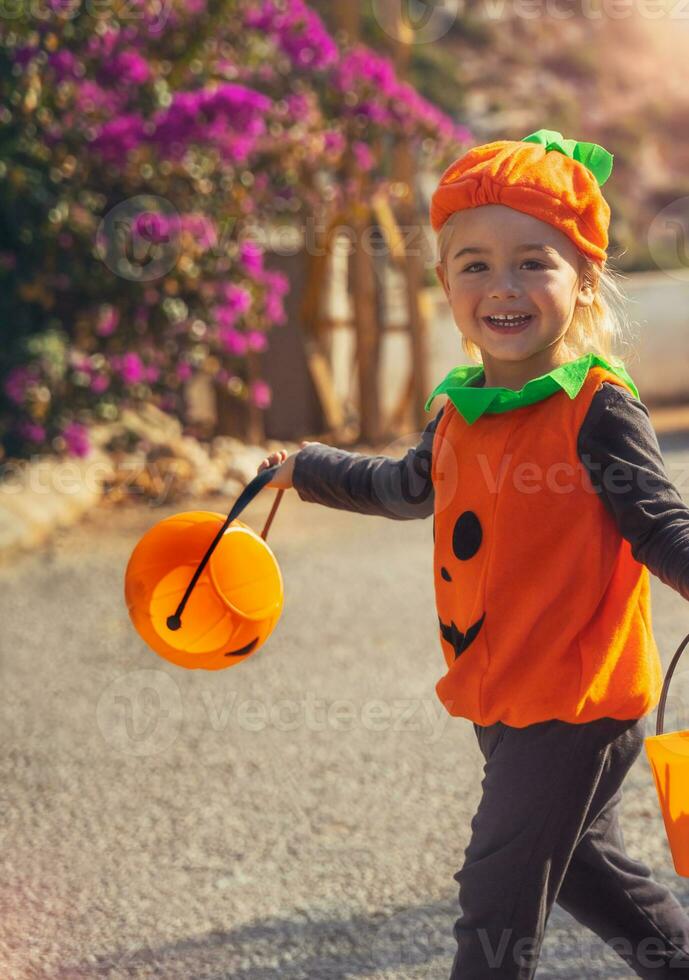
141,145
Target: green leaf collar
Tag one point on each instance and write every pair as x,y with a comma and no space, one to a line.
463,387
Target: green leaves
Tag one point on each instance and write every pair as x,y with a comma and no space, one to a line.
594,157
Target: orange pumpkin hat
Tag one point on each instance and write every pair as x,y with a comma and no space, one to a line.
551,178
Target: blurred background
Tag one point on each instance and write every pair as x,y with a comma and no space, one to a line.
214,242
214,215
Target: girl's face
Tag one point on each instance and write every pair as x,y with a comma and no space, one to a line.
492,266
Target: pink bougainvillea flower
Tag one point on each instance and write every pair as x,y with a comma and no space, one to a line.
229,115
202,229
298,31
298,105
131,368
90,98
275,311
232,340
24,54
168,403
251,257
17,383
363,155
256,340
235,301
335,142
277,282
156,228
31,431
77,440
238,297
126,68
117,138
99,384
108,319
260,393
64,64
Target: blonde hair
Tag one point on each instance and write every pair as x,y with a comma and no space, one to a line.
595,329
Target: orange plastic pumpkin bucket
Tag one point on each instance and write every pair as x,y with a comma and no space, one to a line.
205,592
668,754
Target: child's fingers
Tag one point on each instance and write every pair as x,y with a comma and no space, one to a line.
277,457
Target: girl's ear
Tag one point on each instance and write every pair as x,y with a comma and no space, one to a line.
588,284
586,295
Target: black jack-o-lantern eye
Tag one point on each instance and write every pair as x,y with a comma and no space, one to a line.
467,535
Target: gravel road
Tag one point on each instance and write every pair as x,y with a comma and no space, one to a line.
297,816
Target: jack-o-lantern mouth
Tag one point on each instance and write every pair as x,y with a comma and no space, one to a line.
243,650
460,641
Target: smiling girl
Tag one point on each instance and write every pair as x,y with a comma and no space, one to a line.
520,325
542,585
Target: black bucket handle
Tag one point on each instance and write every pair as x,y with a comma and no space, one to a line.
663,695
246,496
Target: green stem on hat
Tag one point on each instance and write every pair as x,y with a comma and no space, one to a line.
594,157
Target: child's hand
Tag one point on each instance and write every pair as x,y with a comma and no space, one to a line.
282,479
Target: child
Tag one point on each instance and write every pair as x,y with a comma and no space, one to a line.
550,504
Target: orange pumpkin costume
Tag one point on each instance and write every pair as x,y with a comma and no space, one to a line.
537,631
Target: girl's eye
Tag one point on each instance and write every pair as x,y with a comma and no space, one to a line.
527,262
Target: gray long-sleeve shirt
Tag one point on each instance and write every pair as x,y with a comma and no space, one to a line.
617,444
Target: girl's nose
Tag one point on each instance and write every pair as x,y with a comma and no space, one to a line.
504,288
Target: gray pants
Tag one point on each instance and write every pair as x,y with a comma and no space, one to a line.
547,829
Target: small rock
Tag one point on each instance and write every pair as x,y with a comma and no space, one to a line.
40,510
226,446
244,466
16,532
151,424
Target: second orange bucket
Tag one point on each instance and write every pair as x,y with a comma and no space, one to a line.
668,754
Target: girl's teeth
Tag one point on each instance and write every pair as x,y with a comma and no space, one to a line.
512,321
